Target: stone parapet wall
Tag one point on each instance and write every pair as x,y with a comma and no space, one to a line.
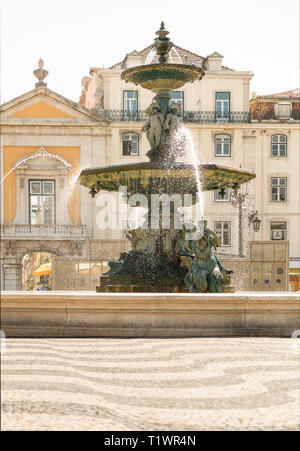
86,314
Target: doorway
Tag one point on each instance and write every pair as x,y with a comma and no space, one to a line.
37,271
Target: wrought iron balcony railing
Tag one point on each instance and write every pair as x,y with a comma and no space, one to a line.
126,115
216,117
46,232
188,116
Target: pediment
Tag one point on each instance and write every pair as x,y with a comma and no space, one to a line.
134,53
43,104
42,158
41,109
215,55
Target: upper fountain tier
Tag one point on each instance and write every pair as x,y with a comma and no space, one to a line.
158,77
163,174
164,77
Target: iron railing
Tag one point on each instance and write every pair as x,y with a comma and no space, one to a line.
188,116
216,117
27,231
125,115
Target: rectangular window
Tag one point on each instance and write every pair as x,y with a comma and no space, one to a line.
178,97
278,230
223,232
131,144
218,197
278,189
222,146
222,106
42,202
130,105
279,146
284,110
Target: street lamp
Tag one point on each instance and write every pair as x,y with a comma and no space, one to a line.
255,221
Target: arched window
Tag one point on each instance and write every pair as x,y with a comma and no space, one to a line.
279,146
130,144
222,146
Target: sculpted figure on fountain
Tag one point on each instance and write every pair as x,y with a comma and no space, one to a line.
161,130
154,125
205,272
172,119
140,258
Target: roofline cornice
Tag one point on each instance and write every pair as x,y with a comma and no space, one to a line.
229,74
275,99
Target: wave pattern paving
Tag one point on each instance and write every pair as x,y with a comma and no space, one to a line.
150,384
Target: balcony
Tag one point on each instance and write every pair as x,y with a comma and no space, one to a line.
125,115
197,117
43,232
213,117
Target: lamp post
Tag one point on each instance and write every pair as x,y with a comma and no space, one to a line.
238,198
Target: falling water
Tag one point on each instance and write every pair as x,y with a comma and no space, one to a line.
192,158
136,217
7,174
27,158
150,56
177,54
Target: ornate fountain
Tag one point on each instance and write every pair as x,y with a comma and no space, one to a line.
172,259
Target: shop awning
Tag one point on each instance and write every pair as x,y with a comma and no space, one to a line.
42,270
294,271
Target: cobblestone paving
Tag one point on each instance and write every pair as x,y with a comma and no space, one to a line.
150,384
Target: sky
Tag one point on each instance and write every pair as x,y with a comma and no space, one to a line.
71,36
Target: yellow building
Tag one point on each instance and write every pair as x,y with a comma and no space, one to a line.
46,141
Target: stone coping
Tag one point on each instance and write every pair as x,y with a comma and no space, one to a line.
89,314
72,298
273,295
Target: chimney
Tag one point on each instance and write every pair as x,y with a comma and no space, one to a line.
214,61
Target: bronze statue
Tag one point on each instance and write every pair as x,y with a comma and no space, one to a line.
154,125
205,272
172,119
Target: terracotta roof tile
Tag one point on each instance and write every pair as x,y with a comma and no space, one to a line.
186,57
291,94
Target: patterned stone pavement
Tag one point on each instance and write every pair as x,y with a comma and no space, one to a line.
150,384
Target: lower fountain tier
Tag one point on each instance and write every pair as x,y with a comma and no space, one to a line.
163,177
137,272
150,289
105,288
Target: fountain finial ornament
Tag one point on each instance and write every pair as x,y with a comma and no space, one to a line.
40,74
163,44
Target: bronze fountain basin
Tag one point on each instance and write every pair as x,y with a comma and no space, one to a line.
160,77
161,177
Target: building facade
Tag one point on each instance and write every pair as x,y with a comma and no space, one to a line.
47,140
